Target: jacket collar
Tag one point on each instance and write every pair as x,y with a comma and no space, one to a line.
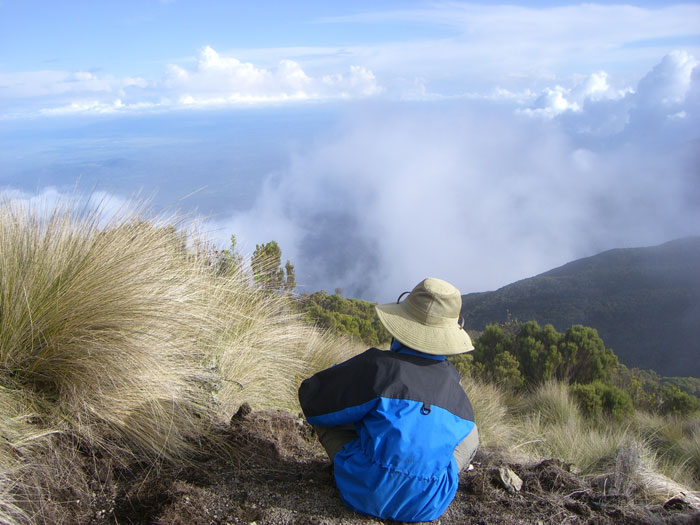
399,348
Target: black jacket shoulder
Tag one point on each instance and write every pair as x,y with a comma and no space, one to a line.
380,373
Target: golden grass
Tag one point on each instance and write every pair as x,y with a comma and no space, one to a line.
675,443
266,349
117,339
496,429
100,325
115,336
11,512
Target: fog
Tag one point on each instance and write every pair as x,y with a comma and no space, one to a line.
372,196
485,193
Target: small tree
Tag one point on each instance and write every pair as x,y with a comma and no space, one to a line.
228,261
678,402
493,360
506,372
266,264
537,352
585,358
291,280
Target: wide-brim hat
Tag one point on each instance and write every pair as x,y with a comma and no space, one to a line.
428,320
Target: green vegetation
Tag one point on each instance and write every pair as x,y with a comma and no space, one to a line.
519,356
347,317
644,302
524,356
266,264
597,399
539,354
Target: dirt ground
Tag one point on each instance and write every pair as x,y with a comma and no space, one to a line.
273,472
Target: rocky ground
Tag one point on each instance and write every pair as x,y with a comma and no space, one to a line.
271,471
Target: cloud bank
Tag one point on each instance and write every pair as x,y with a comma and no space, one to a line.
221,80
484,194
444,49
215,81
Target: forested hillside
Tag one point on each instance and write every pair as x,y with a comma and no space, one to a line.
644,302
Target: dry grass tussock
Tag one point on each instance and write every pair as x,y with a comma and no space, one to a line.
676,444
100,326
552,425
650,457
117,339
263,356
496,429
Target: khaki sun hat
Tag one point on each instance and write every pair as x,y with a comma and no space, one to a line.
428,320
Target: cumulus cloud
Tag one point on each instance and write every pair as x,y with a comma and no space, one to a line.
558,99
592,107
218,80
668,83
483,195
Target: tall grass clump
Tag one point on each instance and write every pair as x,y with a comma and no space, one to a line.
11,513
495,424
552,404
550,424
99,327
266,349
122,340
676,444
18,437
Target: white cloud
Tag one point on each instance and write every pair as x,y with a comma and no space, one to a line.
107,206
219,80
554,101
97,107
53,83
481,196
668,83
592,106
215,80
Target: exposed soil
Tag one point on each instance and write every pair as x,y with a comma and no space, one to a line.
272,471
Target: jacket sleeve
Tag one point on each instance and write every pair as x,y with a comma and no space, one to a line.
341,394
465,451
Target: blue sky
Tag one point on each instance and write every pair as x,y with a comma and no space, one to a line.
416,134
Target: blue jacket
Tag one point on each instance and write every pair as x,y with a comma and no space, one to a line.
410,413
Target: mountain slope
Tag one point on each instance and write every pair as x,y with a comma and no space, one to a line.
644,302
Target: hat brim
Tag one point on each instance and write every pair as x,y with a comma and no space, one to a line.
449,339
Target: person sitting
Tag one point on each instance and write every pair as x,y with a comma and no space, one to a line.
397,424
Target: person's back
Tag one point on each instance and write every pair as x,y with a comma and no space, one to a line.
409,414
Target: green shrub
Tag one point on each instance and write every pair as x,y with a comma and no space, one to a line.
352,318
599,399
678,403
463,363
